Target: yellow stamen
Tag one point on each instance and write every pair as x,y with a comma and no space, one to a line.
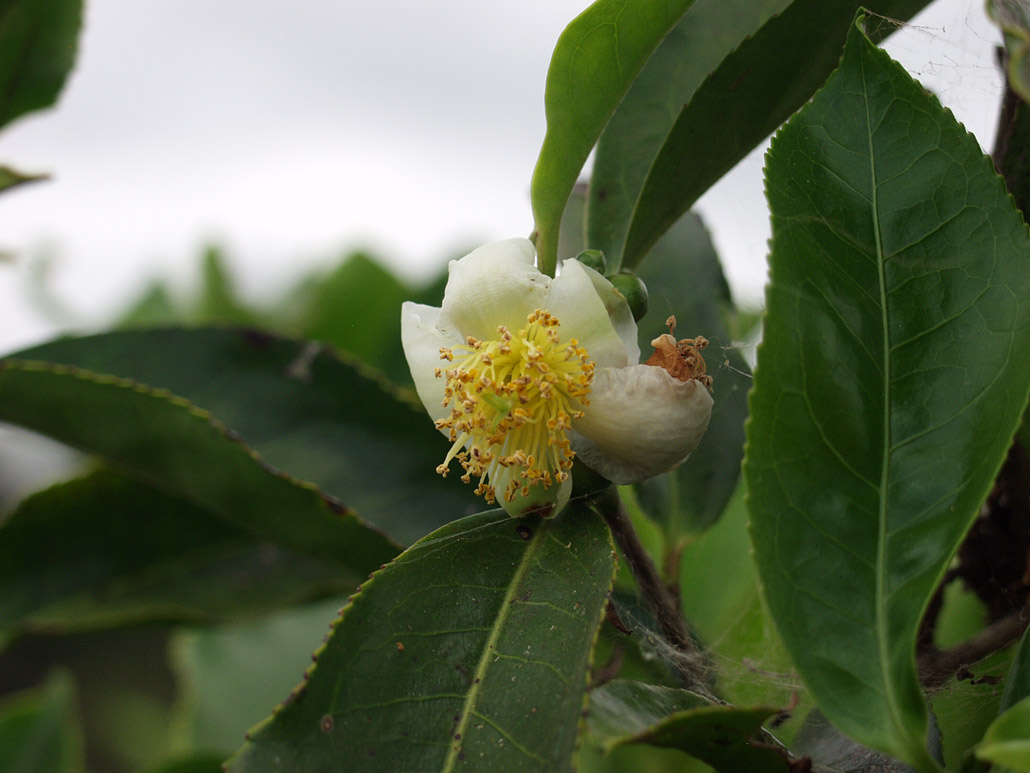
512,403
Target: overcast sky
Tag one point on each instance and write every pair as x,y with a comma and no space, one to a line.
290,132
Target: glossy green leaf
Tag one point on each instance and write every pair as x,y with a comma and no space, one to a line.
470,651
1013,17
684,278
888,384
9,178
1017,683
695,47
106,550
165,440
623,712
231,676
1007,740
38,39
753,91
303,409
595,61
38,730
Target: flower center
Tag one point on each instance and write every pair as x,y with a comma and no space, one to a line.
512,402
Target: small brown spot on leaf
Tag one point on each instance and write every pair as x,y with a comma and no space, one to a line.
524,531
326,724
400,646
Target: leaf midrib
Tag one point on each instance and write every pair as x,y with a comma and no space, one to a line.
479,678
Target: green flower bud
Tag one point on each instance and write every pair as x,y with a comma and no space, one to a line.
633,290
594,259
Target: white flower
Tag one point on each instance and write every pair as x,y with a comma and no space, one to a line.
523,372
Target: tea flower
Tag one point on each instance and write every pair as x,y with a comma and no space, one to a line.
523,373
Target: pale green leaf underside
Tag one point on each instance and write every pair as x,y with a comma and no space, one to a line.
888,385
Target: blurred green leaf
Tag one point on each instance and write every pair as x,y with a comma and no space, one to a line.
471,648
684,278
358,309
195,763
1013,17
707,33
624,712
105,550
753,90
1017,683
219,302
155,307
165,440
232,676
594,62
38,40
9,178
1007,740
304,410
38,729
888,385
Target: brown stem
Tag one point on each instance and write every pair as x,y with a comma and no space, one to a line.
654,592
938,666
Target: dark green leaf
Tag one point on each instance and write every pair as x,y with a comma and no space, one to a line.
38,39
105,550
595,61
470,650
752,92
38,731
9,178
1017,683
828,748
625,712
706,34
165,440
299,406
888,384
684,279
196,763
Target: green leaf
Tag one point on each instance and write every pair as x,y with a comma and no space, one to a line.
196,763
301,408
623,712
38,39
1017,683
595,61
685,279
1013,17
706,34
471,649
9,178
165,440
1007,740
358,309
38,731
105,550
753,91
888,384
219,695
218,302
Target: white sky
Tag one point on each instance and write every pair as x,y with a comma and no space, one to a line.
290,133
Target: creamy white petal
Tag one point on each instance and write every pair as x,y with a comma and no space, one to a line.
641,422
573,299
422,337
619,313
496,284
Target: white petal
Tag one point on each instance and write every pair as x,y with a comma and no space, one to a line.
619,313
496,284
640,422
573,299
422,337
